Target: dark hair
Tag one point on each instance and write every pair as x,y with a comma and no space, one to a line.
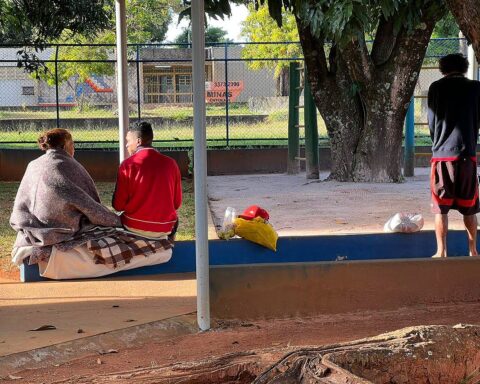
455,62
54,139
143,130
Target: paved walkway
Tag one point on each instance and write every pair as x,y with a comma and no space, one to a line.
84,308
300,207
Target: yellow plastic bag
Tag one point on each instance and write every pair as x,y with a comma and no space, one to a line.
257,231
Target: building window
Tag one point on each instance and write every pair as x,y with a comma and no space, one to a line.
164,84
28,91
183,89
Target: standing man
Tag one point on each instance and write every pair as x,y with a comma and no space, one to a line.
149,187
453,119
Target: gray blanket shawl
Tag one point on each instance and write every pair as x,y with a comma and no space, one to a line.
56,200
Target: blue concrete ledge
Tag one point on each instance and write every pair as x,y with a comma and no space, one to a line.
297,249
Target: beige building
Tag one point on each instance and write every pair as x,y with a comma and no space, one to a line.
169,79
164,76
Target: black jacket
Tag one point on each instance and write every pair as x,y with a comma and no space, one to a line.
453,116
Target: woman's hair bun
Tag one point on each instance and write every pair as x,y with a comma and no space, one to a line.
54,139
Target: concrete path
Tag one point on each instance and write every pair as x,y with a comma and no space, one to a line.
136,336
84,308
300,207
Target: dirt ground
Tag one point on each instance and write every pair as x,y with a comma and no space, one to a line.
279,335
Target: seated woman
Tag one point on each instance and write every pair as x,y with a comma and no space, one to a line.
57,210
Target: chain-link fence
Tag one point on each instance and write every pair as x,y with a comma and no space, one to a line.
76,89
246,93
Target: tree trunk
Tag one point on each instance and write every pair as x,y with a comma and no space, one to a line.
363,97
283,82
284,75
343,119
467,15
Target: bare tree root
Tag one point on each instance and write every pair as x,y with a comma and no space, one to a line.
421,355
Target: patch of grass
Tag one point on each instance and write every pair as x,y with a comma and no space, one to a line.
180,115
276,128
7,234
186,230
272,132
277,116
186,214
89,111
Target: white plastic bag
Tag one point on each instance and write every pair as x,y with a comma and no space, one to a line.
228,225
404,223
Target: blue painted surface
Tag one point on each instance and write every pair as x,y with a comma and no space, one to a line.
298,249
409,163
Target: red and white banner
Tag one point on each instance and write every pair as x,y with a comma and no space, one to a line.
216,91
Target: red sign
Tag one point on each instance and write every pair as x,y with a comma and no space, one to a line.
216,91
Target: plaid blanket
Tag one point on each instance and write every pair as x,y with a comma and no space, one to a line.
115,251
110,246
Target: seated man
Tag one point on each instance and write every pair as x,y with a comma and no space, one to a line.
149,187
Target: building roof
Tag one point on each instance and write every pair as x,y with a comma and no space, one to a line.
9,56
174,54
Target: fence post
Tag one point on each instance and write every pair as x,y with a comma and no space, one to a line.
138,86
56,87
293,163
311,133
409,161
227,125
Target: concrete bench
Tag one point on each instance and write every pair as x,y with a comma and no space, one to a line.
330,248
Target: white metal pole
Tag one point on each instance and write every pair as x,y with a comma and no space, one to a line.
473,67
122,75
200,164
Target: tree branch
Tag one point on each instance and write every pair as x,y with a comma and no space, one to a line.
332,59
467,15
358,61
410,48
314,52
384,42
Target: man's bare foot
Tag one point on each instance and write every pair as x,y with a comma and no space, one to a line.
438,256
474,253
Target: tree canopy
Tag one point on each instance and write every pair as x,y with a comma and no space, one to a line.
31,22
446,27
260,27
212,35
147,21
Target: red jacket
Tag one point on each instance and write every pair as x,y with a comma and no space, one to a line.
148,191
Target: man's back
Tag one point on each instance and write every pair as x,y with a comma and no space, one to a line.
453,116
149,191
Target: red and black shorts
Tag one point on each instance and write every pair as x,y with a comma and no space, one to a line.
454,185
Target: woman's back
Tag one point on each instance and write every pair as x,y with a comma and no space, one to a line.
56,199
